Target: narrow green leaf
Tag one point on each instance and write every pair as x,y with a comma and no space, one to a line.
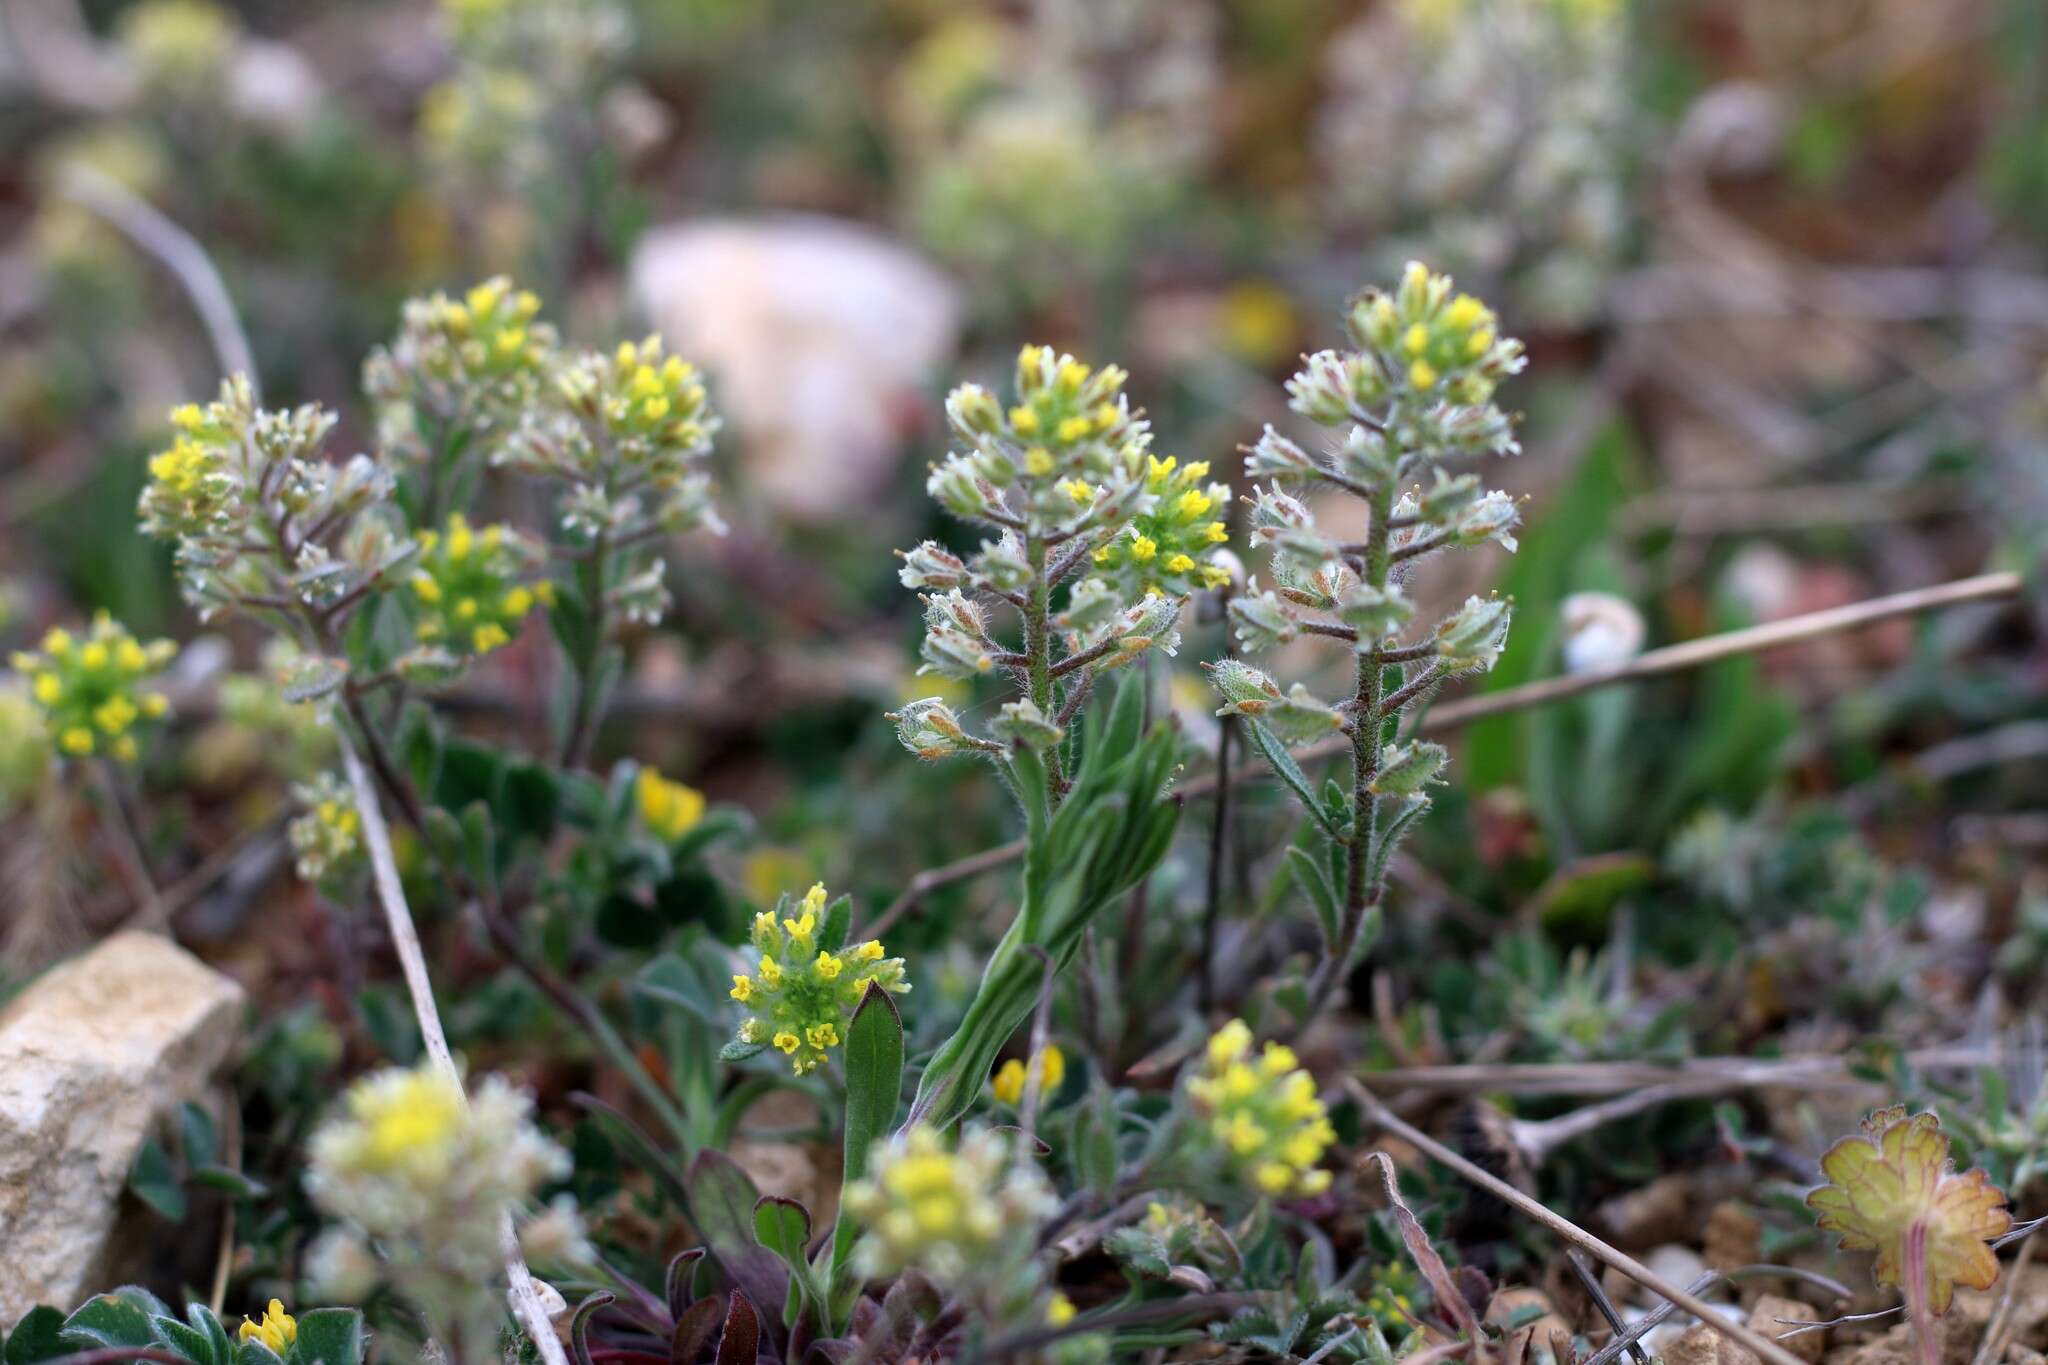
874,1089
1282,762
783,1226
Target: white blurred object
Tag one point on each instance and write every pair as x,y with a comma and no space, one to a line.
820,335
274,87
1601,630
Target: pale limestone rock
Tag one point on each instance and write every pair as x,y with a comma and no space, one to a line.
92,1055
824,341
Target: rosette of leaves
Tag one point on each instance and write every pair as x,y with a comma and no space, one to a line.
1415,392
132,1316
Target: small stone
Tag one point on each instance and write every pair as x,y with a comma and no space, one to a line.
1774,1317
1660,1211
1734,1237
1701,1344
1679,1265
93,1055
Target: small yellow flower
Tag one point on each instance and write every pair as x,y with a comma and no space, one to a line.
1010,1077
742,988
1024,421
277,1329
788,1042
1038,462
771,971
1422,375
1143,548
1059,1310
668,808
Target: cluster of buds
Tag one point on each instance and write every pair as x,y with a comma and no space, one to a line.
963,1215
464,366
328,839
807,982
261,519
91,692
1064,477
1168,547
422,1179
1262,1115
627,433
473,588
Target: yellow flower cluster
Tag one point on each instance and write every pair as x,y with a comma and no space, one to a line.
468,588
1263,1113
191,485
1439,343
276,1329
953,1212
490,334
668,808
1392,1301
1170,546
90,692
804,988
653,403
404,1122
1051,1066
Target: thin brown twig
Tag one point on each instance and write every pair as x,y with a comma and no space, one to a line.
1378,1114
1992,1346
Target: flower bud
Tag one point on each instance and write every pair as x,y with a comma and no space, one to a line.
1022,723
1262,621
1471,641
973,411
1301,716
929,728
1246,691
931,565
1493,517
1406,769
1274,456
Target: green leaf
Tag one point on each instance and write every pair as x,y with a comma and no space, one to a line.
154,1180
121,1318
330,1336
874,1089
722,1200
1289,772
784,1227
231,1181
737,1051
197,1131
38,1336
202,1317
1322,897
189,1342
838,921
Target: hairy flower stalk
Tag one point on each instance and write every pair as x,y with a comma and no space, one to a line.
1415,393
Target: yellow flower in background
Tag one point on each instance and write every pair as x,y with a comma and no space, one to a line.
668,808
1051,1066
91,692
277,1329
1262,1114
1258,323
954,1212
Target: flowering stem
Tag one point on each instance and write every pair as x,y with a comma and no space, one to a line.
595,574
1361,889
1038,646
